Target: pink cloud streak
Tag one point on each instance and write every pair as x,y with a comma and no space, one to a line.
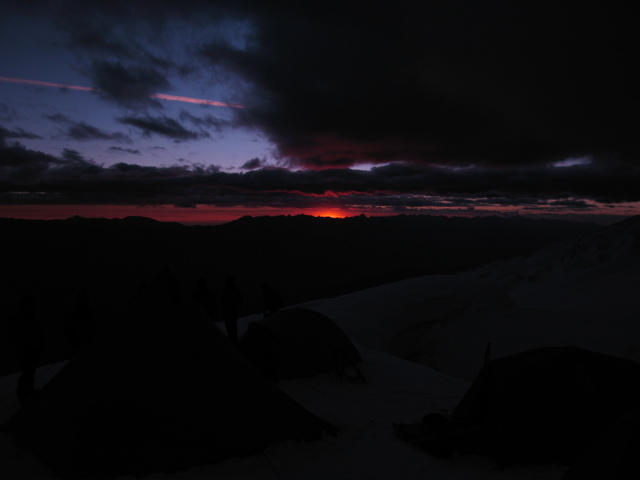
160,96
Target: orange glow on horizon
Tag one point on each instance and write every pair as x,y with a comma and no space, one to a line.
202,215
331,213
212,215
160,96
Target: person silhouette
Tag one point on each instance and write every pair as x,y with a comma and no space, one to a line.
206,299
80,324
487,353
271,300
28,342
230,308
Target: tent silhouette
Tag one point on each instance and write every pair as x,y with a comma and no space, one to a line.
296,343
163,390
538,406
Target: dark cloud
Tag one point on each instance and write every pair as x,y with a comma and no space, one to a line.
206,123
19,165
82,131
254,163
129,50
132,151
432,82
100,42
26,170
334,84
163,126
16,133
127,85
440,82
7,113
59,118
73,178
496,92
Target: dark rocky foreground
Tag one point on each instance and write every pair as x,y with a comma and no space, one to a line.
302,257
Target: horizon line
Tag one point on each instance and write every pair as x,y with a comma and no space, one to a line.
217,215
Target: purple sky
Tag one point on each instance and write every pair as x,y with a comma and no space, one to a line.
402,107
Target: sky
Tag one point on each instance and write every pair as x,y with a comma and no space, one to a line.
204,111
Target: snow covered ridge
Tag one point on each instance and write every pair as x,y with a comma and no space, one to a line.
581,292
617,243
597,275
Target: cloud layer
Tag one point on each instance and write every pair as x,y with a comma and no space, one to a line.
29,176
463,101
454,83
334,84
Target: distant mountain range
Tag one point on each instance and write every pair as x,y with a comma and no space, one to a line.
302,257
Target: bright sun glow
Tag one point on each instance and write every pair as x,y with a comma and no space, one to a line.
331,213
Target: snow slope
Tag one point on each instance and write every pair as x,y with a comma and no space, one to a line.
582,292
579,293
366,447
397,391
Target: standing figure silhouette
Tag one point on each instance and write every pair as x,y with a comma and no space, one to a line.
206,299
80,325
230,308
271,300
28,341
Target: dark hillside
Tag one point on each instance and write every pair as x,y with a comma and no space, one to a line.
303,257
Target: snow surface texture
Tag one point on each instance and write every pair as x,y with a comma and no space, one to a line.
582,292
366,447
579,293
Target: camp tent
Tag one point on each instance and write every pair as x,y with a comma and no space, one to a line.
295,343
162,390
538,406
